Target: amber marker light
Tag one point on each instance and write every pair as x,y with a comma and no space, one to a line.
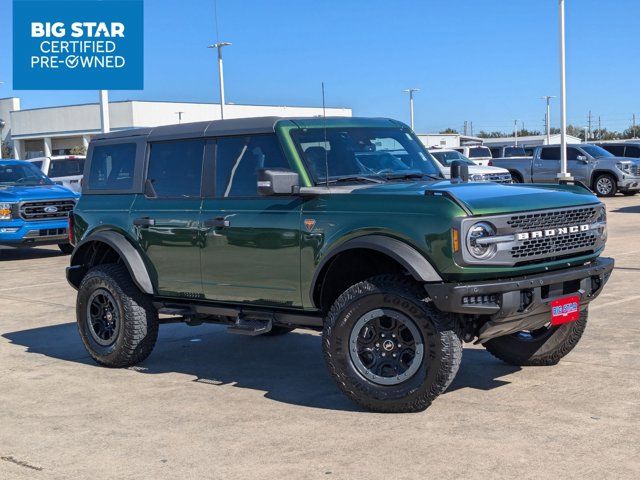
455,236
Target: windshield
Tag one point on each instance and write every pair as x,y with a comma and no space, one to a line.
363,152
514,152
446,158
596,151
478,152
22,174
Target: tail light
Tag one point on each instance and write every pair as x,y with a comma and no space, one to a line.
72,240
490,163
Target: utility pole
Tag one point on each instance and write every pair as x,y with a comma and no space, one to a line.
634,126
179,116
465,128
599,128
547,118
219,46
515,132
564,174
589,123
471,123
411,91
104,112
585,133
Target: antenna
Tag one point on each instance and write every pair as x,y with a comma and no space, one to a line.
324,124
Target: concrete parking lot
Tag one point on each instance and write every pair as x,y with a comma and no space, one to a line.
211,405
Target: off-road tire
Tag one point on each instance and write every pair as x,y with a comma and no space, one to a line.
548,350
443,347
613,185
66,248
138,329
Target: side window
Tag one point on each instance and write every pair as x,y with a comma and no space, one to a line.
495,152
617,150
175,168
239,158
550,153
112,167
632,151
572,153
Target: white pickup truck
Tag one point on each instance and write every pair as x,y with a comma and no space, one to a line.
477,173
65,170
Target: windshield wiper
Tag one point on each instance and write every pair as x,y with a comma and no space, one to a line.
354,178
401,176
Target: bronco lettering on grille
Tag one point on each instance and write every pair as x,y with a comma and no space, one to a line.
552,232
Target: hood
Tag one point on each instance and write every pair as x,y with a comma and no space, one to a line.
486,198
39,192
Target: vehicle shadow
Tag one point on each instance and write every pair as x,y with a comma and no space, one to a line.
289,368
630,209
7,254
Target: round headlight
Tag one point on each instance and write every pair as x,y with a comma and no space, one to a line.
477,232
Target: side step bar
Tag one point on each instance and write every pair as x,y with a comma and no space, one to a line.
250,326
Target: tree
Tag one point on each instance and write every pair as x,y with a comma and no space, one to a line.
449,130
7,151
78,150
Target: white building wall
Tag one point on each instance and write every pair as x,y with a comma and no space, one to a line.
7,105
442,141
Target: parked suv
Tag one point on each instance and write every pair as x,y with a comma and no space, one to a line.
587,163
342,225
33,210
627,149
476,153
477,173
65,170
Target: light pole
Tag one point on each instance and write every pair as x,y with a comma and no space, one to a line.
411,91
104,111
548,117
220,46
515,133
564,174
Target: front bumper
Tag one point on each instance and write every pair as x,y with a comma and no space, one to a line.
18,233
521,303
629,183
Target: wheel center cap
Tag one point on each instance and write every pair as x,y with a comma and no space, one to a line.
388,345
108,316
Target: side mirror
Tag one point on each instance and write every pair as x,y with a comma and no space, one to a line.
459,171
582,158
277,181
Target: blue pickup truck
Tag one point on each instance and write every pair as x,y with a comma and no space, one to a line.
33,210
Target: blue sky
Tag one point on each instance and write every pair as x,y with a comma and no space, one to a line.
487,61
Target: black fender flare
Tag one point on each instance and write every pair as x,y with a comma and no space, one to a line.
407,256
127,252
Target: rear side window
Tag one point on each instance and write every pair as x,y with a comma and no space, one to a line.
617,150
550,153
632,151
112,167
479,152
238,160
175,168
66,168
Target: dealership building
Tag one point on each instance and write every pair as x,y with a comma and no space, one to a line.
50,131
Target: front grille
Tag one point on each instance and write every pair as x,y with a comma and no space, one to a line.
552,219
554,246
498,178
635,170
46,210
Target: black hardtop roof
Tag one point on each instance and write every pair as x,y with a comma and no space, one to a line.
234,126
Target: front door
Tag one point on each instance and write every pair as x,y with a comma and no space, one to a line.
579,169
251,249
166,218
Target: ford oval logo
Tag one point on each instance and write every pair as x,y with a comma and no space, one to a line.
50,209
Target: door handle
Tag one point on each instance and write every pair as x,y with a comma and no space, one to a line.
218,222
144,222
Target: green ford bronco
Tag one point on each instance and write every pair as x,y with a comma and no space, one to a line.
341,225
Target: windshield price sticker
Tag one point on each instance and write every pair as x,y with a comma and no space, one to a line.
78,44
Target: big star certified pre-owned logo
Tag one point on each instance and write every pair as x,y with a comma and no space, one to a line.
78,44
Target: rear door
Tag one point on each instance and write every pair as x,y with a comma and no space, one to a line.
632,151
251,250
166,217
547,165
